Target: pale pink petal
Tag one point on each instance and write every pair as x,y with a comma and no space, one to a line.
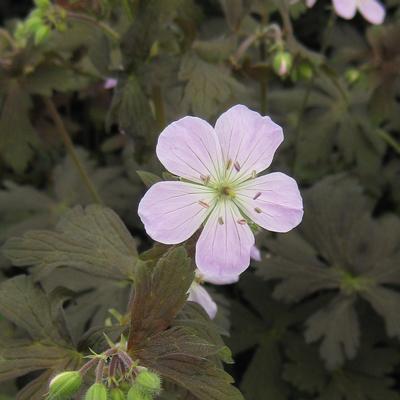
172,211
310,3
272,201
220,280
189,148
372,10
199,295
345,8
248,141
255,253
110,83
223,248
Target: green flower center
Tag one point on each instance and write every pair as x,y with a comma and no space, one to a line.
226,191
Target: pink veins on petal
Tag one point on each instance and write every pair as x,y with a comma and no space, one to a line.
220,188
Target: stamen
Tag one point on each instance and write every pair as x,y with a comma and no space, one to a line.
258,210
257,196
203,204
253,173
229,164
220,220
241,221
237,166
205,179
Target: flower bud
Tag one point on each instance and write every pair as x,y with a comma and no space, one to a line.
352,75
282,63
97,391
64,385
149,381
136,393
117,394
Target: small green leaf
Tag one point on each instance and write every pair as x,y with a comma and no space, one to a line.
148,178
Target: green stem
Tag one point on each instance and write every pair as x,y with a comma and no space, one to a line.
62,131
92,21
159,107
389,139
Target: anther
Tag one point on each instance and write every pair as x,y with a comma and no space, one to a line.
220,220
237,166
242,222
257,196
258,210
205,179
229,164
253,173
203,204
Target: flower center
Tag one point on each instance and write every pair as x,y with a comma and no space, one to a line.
226,191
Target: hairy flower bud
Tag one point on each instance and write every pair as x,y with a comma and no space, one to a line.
97,391
64,385
282,63
149,381
137,393
117,394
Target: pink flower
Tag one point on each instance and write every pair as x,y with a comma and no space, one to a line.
198,293
255,254
372,10
219,188
110,83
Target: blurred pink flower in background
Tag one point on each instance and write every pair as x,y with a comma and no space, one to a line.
372,10
220,188
110,83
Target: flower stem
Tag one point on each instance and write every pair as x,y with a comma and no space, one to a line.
100,371
389,139
62,131
92,21
159,107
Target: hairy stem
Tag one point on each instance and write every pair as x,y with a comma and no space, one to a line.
62,131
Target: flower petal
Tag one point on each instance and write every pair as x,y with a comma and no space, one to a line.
199,295
223,248
172,211
219,280
345,8
310,3
272,201
255,253
189,148
373,11
248,141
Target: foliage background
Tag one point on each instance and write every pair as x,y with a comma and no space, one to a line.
318,317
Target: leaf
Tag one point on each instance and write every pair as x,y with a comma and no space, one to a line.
50,349
160,293
338,325
130,109
17,135
29,308
208,86
148,178
49,77
92,240
339,248
181,357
